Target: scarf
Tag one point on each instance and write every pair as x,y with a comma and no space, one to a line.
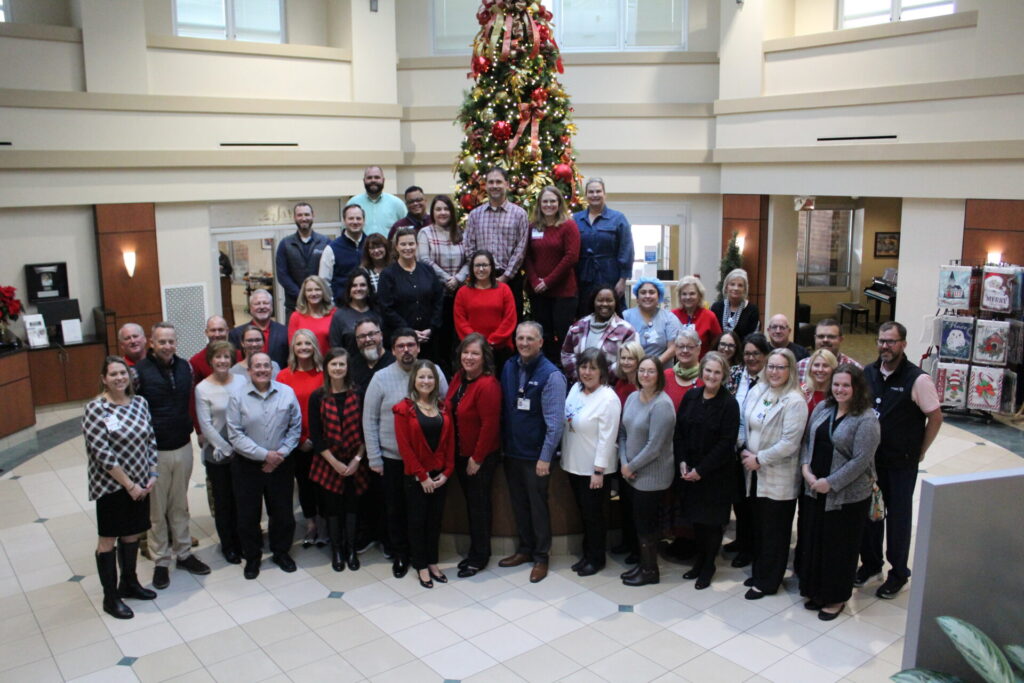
686,374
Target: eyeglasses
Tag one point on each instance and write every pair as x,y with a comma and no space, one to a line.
726,345
777,368
778,327
481,265
688,347
367,335
889,342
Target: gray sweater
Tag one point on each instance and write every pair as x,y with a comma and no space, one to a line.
645,441
853,456
387,388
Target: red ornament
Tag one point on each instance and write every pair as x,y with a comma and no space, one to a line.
563,172
481,65
544,33
540,96
502,130
467,202
545,14
483,15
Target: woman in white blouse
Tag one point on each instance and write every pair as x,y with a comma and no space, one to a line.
775,414
212,396
589,449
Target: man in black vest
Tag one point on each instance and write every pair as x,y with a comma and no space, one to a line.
908,411
165,381
298,256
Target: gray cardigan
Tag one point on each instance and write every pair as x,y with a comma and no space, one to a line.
853,456
645,441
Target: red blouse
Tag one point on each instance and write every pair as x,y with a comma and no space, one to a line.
704,322
491,312
417,456
552,257
320,327
623,388
676,392
303,383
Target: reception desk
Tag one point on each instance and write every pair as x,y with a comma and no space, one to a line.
16,388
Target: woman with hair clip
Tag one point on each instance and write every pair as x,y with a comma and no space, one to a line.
734,311
551,256
339,467
589,438
439,245
304,375
314,311
358,301
121,448
426,442
474,400
377,255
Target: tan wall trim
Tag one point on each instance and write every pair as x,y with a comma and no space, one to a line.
695,110
572,59
60,34
889,30
918,151
914,92
163,42
592,156
51,99
68,159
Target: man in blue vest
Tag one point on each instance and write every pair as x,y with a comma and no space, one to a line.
908,411
533,415
298,256
344,253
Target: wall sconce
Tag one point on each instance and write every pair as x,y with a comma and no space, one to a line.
994,257
740,241
129,262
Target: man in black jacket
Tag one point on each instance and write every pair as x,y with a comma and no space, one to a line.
165,381
298,256
275,335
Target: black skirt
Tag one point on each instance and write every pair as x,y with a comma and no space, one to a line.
830,547
118,515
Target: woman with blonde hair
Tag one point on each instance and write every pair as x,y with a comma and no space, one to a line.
630,355
734,310
820,366
692,314
314,309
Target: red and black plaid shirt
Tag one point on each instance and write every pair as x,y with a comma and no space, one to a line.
342,432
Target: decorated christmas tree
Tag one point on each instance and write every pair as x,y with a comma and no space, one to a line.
731,260
516,115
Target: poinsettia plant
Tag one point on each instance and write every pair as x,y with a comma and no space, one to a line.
10,307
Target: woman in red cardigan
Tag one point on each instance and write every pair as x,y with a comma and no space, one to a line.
474,400
426,442
486,306
693,315
551,256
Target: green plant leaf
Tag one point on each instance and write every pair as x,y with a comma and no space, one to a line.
924,676
977,649
1015,653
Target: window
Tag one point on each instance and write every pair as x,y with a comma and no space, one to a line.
259,21
853,13
580,25
823,248
4,10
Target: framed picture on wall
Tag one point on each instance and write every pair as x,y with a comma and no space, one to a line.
887,245
267,243
46,281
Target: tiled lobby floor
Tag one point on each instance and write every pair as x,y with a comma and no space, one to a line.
316,624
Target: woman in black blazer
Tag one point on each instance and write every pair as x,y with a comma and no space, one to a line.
707,423
735,312
410,295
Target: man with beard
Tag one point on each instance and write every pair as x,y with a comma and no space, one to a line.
778,335
275,335
417,216
345,251
298,255
388,387
372,356
828,334
382,210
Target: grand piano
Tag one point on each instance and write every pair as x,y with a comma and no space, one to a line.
883,291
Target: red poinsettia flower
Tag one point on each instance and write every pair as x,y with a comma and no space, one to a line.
10,307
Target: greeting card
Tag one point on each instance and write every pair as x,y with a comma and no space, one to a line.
955,287
998,289
986,389
991,340
951,381
956,337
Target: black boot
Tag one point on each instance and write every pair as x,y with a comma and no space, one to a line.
337,551
351,556
106,565
648,566
129,587
631,572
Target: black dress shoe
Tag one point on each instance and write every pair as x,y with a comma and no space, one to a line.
578,563
439,577
161,578
731,547
468,571
829,616
352,560
193,565
742,560
232,557
629,573
749,581
427,583
754,594
400,567
702,583
812,605
463,563
252,568
692,574
284,561
589,569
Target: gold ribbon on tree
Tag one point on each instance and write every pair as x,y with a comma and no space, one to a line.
529,115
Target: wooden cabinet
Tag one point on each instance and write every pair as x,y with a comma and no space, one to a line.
66,373
16,388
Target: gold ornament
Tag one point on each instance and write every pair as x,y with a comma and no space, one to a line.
487,115
468,164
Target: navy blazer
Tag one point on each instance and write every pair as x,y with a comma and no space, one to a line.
277,343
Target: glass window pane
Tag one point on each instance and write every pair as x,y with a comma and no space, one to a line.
654,23
853,8
934,10
589,24
258,21
823,247
201,18
455,25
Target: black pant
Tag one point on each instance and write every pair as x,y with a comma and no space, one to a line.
591,505
225,516
446,339
425,511
396,511
828,561
529,496
555,314
645,506
627,503
333,504
516,285
477,490
252,487
307,489
372,513
773,530
897,487
708,539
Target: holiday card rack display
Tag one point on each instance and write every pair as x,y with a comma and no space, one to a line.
978,344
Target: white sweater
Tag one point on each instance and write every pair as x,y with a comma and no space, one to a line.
590,436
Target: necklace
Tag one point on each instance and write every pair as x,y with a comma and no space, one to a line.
730,318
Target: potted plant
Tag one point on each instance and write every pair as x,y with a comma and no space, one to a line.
984,656
10,309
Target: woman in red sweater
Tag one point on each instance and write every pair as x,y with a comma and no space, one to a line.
551,256
693,315
486,306
474,400
313,311
426,442
304,375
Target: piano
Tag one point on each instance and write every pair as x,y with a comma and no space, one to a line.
883,291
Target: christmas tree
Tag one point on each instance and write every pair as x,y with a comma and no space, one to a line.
730,262
516,115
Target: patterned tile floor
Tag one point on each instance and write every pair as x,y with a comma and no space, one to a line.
316,624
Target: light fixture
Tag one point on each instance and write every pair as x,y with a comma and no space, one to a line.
994,257
740,241
129,262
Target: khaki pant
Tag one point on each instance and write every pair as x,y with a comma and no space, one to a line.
168,507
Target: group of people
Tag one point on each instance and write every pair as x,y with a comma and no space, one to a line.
686,414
